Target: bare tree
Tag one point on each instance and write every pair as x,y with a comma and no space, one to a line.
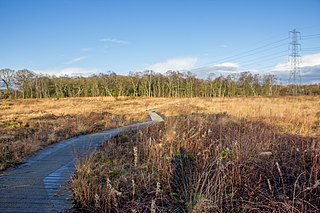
23,79
135,80
268,84
7,76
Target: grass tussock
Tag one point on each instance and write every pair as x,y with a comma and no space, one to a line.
202,163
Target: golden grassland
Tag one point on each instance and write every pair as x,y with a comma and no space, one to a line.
253,154
28,125
298,115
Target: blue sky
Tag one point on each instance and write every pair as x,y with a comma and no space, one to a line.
204,36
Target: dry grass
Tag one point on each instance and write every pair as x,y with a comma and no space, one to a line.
252,154
297,115
210,155
29,125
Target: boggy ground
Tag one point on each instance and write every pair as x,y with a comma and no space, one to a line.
210,155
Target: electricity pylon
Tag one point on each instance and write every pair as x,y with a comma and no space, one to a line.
295,59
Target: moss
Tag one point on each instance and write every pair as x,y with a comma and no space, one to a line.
13,125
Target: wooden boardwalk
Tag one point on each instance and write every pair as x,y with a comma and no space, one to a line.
40,184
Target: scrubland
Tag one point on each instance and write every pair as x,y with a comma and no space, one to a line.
258,154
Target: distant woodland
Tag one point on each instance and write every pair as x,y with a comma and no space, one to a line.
27,84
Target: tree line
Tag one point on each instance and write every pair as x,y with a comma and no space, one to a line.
27,84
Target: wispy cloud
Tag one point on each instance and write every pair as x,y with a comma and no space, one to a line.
306,61
311,60
227,66
309,69
86,49
174,64
217,69
309,74
117,41
75,60
71,71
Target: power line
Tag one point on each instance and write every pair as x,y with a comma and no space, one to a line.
264,56
256,59
318,34
294,57
310,38
241,54
307,48
249,51
266,59
262,67
281,45
310,49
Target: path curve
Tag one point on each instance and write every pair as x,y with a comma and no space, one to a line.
40,184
